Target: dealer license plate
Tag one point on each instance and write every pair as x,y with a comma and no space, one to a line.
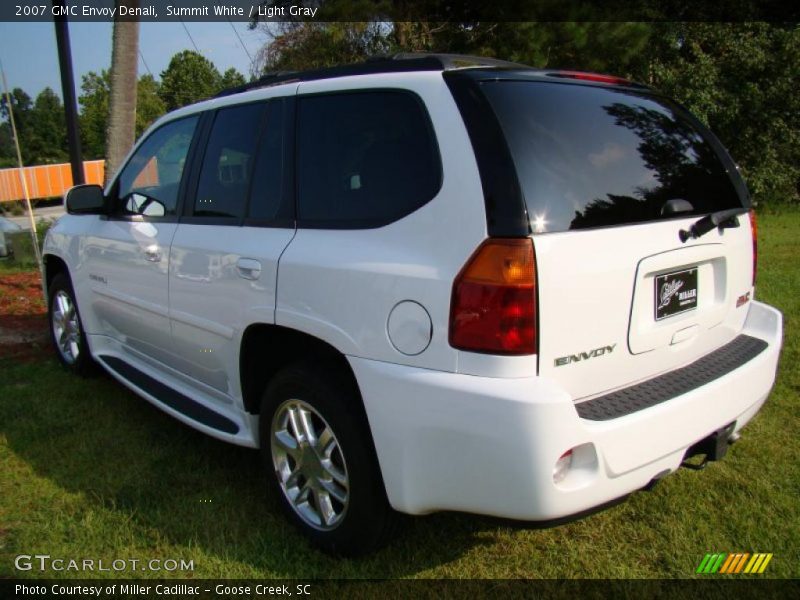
675,293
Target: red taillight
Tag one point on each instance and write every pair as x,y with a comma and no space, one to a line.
493,308
754,230
591,77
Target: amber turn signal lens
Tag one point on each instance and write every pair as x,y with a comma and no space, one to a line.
493,308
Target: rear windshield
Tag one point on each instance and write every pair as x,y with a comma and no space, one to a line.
591,157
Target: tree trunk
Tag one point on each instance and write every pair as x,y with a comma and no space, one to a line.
122,101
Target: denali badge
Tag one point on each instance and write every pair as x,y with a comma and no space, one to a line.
565,360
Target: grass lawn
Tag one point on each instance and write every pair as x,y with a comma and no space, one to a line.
87,469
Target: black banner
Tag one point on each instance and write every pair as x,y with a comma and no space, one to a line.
711,586
401,10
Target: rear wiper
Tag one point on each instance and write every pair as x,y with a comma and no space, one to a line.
721,219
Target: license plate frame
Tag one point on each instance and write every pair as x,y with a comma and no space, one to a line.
675,293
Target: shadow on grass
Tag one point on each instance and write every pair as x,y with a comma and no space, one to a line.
164,482
23,337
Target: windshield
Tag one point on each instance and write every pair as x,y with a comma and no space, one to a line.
589,156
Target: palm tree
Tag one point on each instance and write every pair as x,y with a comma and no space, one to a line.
122,101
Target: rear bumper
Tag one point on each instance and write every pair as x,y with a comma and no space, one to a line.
447,441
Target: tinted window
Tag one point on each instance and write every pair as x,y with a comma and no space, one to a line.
364,159
268,174
589,156
228,162
148,185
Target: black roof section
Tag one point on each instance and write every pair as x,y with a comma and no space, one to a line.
397,63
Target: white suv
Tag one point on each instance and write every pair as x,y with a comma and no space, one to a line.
427,283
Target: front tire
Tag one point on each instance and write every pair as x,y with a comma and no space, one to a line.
317,446
66,329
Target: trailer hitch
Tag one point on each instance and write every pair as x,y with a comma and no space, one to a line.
714,447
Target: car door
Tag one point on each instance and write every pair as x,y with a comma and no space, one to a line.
126,254
237,221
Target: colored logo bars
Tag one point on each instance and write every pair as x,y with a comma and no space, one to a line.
742,562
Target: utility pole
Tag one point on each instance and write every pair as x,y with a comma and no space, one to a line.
68,91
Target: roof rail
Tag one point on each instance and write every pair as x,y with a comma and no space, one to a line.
458,61
396,63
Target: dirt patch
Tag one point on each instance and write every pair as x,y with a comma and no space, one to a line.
23,317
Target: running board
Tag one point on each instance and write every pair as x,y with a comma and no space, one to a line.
169,397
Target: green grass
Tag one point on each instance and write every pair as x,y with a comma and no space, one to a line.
89,470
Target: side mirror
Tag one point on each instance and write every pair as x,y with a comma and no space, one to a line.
85,200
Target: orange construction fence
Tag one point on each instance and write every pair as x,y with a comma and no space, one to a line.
46,181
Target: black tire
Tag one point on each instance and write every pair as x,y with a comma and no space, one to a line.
82,363
367,521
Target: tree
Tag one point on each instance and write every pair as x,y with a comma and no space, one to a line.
22,106
7,152
47,139
190,77
149,105
741,79
122,99
301,46
95,90
40,126
231,78
612,47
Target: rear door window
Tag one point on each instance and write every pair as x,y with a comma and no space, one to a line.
269,172
590,157
364,159
227,165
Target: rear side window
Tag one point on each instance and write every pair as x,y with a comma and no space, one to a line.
228,162
364,159
591,157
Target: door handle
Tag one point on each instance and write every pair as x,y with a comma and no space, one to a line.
152,253
248,268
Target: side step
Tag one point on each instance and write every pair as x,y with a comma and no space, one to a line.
169,397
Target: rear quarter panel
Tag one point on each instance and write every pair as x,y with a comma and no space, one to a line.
341,285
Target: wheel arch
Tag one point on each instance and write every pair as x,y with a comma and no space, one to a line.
266,349
53,265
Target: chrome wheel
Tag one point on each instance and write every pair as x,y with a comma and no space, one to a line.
66,327
309,465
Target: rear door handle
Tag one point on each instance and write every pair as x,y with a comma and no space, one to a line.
248,268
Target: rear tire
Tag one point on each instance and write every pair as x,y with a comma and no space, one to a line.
66,328
317,447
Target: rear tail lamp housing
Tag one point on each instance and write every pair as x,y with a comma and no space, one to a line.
493,305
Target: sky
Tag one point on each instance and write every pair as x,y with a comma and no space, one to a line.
29,57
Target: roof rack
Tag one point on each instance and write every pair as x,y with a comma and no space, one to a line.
395,63
458,61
